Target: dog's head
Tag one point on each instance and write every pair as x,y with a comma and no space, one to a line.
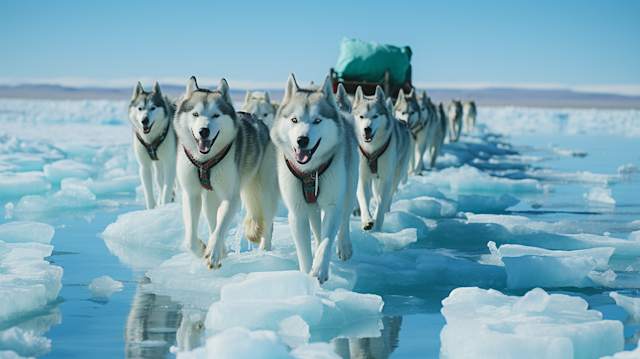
308,124
205,118
259,104
371,114
407,108
146,108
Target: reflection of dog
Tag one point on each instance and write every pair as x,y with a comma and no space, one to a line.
371,348
259,104
154,142
469,115
454,114
317,171
224,157
385,143
407,109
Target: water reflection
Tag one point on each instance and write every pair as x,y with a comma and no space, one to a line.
371,348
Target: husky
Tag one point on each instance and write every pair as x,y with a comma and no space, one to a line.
317,156
154,142
385,145
454,113
442,133
433,127
259,104
407,109
469,115
225,157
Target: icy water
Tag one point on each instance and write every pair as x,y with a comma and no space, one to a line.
146,318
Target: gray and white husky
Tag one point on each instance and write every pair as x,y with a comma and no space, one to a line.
317,156
454,113
154,142
259,104
434,128
407,109
385,145
442,132
225,157
469,115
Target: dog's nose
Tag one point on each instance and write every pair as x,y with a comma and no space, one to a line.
204,132
303,141
367,131
145,121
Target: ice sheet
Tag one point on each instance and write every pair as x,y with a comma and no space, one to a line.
24,232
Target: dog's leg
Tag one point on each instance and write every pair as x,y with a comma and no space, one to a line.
191,206
364,197
147,185
158,177
422,139
299,223
412,157
169,180
315,219
210,204
216,249
383,193
344,248
330,226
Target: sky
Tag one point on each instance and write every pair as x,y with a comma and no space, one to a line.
258,43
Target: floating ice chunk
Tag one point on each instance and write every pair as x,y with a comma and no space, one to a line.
104,286
605,278
23,161
69,197
22,183
27,281
585,177
397,221
471,179
550,272
568,153
107,186
600,195
634,236
631,305
601,255
294,331
417,187
485,204
266,285
57,171
23,232
397,241
428,207
23,343
488,324
627,354
628,169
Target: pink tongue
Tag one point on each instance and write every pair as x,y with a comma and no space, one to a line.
203,146
302,156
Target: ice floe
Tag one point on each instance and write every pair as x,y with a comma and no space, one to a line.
600,195
468,179
23,232
631,305
104,286
628,169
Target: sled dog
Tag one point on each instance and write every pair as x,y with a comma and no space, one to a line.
469,115
454,113
442,131
259,104
154,142
225,157
385,145
407,109
317,156
434,128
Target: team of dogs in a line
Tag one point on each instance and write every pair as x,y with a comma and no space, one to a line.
324,155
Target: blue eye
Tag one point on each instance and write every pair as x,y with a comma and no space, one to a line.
294,120
317,121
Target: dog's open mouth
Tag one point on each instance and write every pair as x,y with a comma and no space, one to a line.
204,146
368,138
304,156
146,129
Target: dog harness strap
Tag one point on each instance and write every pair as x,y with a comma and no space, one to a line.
373,159
310,188
414,130
204,168
152,149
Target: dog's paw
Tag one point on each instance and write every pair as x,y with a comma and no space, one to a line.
198,249
320,272
213,258
367,225
344,251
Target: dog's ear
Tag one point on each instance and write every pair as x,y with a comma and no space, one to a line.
290,88
311,83
192,86
247,97
359,96
390,105
156,89
423,94
223,87
343,99
412,94
400,97
327,90
380,94
267,97
137,91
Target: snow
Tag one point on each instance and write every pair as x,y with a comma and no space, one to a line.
62,111
600,195
23,232
488,324
104,286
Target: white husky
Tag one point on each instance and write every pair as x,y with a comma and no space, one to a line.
154,142
469,115
225,157
454,113
317,156
407,109
259,104
385,143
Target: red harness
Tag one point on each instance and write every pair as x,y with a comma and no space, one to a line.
310,189
152,148
204,167
373,158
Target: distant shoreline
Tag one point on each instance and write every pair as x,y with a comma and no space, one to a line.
483,97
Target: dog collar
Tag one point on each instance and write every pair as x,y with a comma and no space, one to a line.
204,167
373,158
152,148
310,189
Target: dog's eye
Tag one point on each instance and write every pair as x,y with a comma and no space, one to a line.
139,108
317,121
361,116
265,115
195,114
294,120
216,115
375,116
153,108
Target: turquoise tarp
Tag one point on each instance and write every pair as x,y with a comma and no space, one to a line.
368,60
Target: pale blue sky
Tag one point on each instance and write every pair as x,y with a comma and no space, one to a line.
564,42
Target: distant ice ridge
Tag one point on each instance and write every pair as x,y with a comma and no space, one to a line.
63,111
470,179
600,195
628,169
488,324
